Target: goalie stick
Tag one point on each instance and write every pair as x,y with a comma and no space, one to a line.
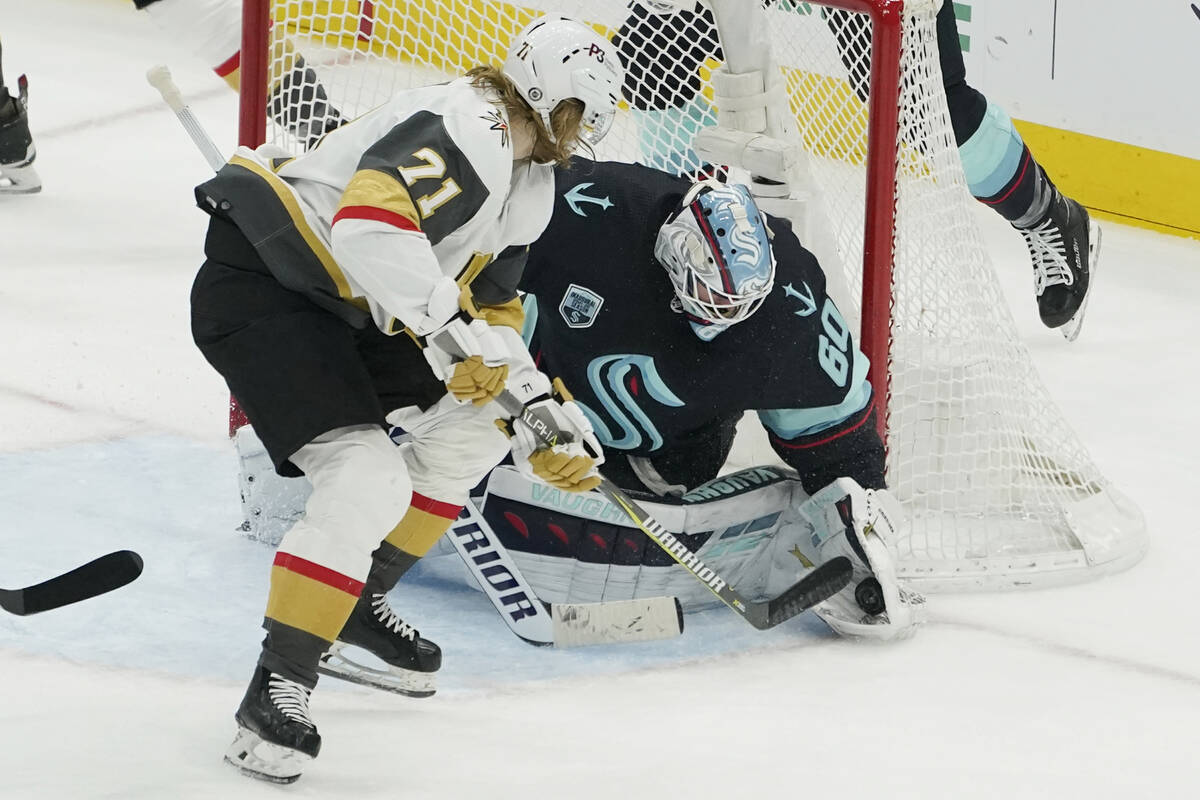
817,586
561,624
106,573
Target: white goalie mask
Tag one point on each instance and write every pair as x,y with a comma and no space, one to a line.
716,248
556,59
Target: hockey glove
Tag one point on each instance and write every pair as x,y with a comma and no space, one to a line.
470,358
572,464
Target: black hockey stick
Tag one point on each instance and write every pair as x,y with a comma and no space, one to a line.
815,587
96,577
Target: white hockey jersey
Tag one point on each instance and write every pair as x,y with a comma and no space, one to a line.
416,194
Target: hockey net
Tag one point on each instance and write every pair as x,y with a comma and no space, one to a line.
998,490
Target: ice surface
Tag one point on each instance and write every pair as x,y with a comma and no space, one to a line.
112,436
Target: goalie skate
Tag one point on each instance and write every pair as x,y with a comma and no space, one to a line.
406,662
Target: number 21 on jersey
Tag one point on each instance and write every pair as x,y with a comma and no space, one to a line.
432,166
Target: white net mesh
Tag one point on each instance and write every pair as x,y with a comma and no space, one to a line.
998,489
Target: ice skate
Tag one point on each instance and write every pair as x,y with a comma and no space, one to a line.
408,661
1064,249
17,175
276,736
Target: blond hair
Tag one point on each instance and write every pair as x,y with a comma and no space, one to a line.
566,119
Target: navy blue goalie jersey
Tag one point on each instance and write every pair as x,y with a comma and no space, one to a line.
606,321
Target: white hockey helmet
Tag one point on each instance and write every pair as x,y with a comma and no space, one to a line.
556,59
716,247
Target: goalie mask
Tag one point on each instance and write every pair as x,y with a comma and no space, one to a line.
556,59
716,248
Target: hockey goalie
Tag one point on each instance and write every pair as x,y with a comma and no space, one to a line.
669,308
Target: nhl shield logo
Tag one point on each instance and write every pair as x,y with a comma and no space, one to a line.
579,306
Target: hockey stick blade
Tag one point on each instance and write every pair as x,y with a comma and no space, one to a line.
106,573
816,587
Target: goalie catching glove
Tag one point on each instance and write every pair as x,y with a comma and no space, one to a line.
571,464
471,358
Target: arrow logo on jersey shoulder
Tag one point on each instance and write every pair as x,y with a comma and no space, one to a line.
808,302
575,197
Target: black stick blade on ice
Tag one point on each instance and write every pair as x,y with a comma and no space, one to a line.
96,577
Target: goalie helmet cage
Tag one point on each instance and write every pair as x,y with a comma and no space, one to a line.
998,490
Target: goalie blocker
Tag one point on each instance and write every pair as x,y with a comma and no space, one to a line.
757,528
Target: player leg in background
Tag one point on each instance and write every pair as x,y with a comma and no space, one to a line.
17,175
1002,173
453,447
213,31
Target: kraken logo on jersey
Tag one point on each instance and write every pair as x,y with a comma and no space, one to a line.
606,375
580,306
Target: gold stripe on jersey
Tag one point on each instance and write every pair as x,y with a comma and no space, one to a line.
471,271
307,604
314,243
371,187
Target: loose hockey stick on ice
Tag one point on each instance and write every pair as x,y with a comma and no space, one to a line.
96,577
559,624
160,78
815,587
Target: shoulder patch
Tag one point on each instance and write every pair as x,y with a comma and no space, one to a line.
580,306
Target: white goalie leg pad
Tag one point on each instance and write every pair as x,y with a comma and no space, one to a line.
271,503
859,524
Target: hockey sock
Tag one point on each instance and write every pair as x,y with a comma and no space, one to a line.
422,525
306,608
1002,173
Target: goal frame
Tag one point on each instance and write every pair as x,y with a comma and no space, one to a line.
1095,553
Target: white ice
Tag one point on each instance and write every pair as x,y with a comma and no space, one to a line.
112,436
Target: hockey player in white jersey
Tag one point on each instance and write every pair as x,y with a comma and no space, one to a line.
375,275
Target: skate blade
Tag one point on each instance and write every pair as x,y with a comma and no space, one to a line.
407,682
1070,329
252,755
22,179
